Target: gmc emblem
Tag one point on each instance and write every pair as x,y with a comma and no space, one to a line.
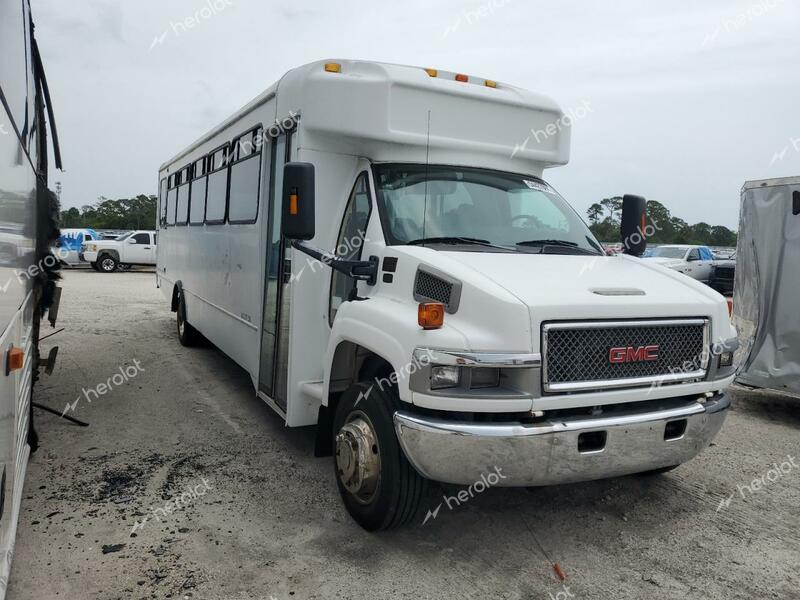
631,354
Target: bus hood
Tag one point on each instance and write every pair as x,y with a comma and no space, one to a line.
556,286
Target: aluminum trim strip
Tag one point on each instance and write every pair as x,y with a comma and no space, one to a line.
620,383
477,359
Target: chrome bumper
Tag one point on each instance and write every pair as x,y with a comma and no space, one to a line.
547,453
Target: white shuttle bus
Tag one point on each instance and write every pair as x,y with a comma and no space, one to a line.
377,248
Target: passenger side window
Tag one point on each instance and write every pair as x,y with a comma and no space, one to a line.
197,210
172,198
245,179
217,194
182,210
142,238
694,255
350,241
162,202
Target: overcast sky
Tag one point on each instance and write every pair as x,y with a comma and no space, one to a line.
688,99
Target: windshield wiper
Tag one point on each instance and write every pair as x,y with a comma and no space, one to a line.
457,240
560,243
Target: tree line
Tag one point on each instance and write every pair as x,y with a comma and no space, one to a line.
604,221
124,213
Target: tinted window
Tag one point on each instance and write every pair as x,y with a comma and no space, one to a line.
162,202
216,196
172,196
197,212
245,180
142,238
182,215
350,241
199,168
694,254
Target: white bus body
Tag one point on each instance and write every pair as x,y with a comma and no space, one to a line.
382,141
27,231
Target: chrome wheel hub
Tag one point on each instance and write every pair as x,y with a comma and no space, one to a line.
358,462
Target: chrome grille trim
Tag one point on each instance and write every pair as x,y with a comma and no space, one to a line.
615,383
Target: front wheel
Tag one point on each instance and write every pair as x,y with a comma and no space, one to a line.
107,263
379,487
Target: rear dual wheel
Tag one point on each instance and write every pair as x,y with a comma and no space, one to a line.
187,335
379,487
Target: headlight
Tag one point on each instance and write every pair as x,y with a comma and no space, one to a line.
444,377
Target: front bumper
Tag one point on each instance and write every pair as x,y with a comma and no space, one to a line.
548,453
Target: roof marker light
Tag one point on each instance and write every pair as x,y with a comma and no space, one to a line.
462,78
490,83
432,72
333,67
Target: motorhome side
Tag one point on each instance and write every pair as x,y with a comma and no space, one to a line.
448,313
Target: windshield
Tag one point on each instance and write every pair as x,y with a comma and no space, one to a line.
671,252
440,203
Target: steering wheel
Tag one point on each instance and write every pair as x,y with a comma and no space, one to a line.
528,218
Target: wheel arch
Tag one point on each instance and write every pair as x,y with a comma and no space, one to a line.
177,288
113,253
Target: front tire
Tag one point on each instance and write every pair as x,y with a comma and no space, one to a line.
379,487
107,263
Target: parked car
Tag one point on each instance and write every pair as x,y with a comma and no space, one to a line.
133,248
723,273
69,247
694,261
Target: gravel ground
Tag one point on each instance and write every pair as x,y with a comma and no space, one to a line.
263,518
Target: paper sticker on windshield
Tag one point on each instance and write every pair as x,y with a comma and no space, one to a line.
537,185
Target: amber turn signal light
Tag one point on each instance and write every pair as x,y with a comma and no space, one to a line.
14,359
431,315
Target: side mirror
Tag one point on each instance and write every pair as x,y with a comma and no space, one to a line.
297,222
130,240
634,225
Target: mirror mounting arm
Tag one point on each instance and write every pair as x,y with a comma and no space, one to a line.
360,270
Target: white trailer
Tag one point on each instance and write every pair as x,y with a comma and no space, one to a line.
439,311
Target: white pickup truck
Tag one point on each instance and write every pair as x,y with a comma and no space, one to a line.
133,248
695,261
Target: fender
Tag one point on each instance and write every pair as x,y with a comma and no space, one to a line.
383,327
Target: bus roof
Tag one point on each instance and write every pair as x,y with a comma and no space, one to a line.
390,112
